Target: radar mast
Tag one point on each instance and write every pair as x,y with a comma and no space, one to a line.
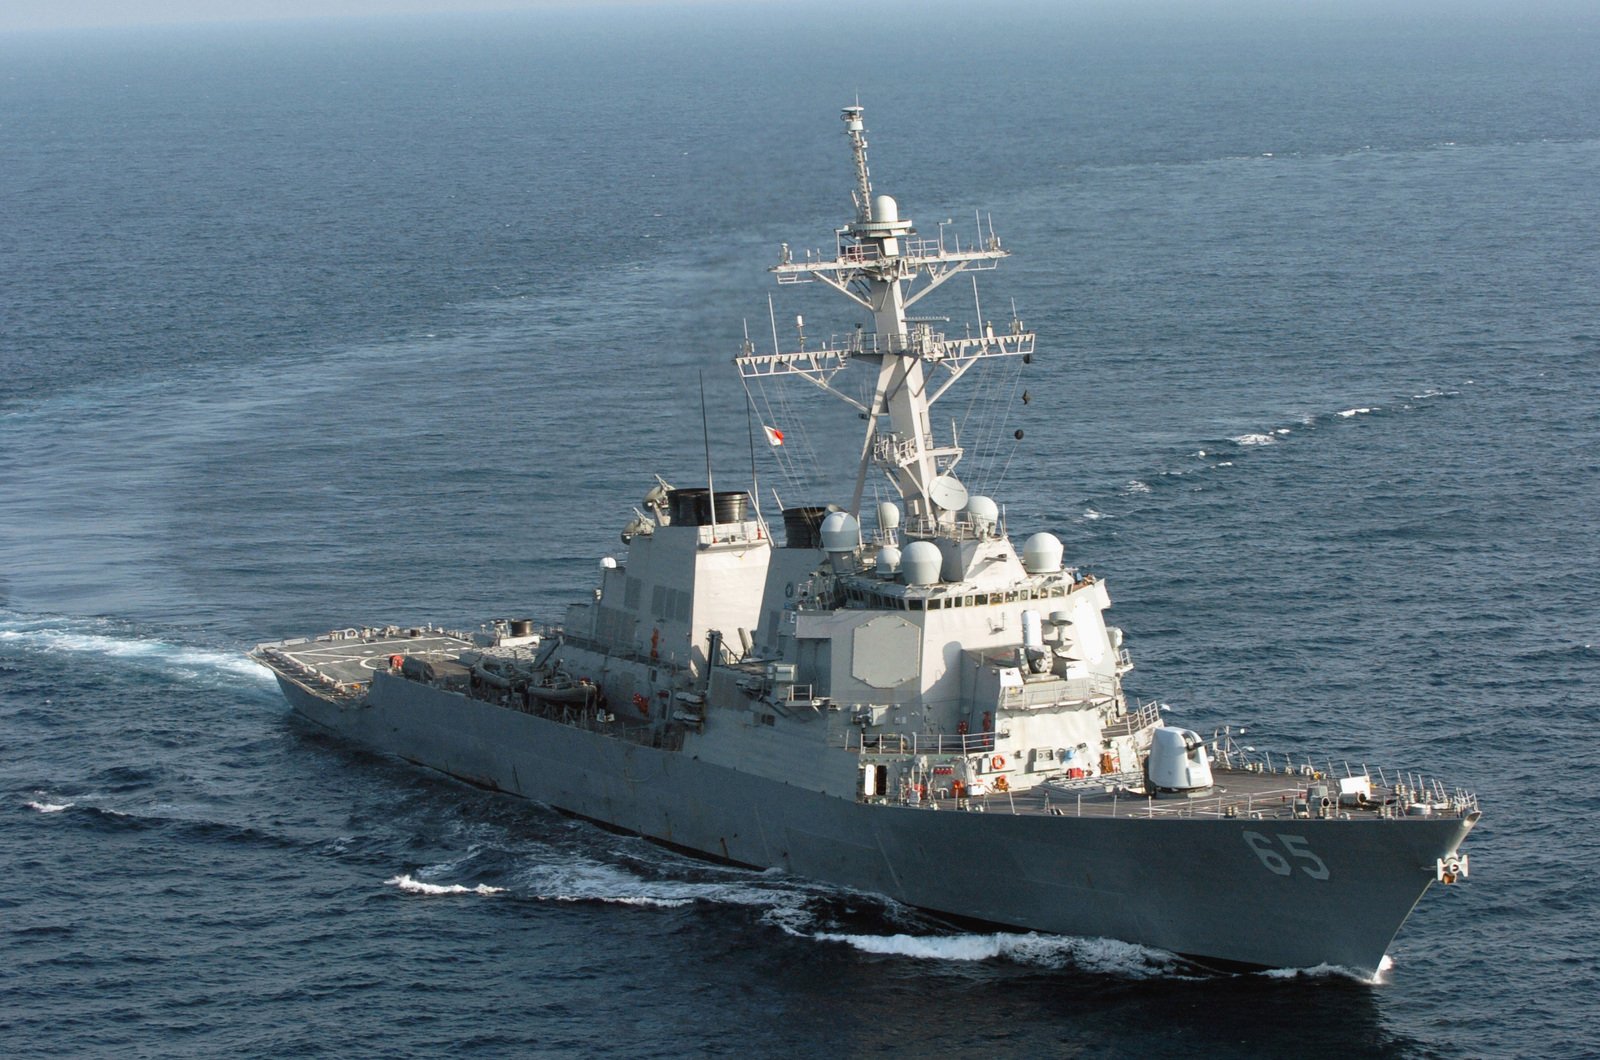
882,265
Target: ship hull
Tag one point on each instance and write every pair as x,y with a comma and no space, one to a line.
1202,888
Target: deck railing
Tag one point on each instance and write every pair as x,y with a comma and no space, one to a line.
920,743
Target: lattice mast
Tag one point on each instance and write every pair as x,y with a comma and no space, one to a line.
881,265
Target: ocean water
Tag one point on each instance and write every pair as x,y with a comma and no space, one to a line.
314,324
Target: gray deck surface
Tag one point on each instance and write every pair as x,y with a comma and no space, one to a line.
355,659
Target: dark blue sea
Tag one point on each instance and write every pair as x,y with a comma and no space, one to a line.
306,325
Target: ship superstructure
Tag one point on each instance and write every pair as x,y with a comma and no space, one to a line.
815,705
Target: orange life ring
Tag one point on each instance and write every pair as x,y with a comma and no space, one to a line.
997,762
396,661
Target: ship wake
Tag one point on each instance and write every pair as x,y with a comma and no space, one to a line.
802,910
114,642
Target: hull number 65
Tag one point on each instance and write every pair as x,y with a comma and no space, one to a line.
1295,846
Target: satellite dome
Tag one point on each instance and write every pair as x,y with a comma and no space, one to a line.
921,562
1041,554
983,512
840,533
888,561
885,209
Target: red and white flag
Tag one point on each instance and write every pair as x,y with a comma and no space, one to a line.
774,436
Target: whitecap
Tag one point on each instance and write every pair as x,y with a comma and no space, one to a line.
1090,513
413,886
49,807
1347,413
1254,439
1135,486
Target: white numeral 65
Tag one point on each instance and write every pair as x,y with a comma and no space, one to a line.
1297,848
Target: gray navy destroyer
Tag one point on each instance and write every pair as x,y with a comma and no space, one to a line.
900,702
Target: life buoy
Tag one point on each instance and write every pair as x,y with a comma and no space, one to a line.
396,661
997,762
961,728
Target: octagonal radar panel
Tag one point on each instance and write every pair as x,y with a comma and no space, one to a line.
948,493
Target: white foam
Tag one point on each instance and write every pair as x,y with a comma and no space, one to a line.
924,947
138,650
1135,486
413,886
590,881
48,807
1326,971
791,918
1255,439
1281,431
1090,513
1347,413
1334,971
621,899
1049,951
